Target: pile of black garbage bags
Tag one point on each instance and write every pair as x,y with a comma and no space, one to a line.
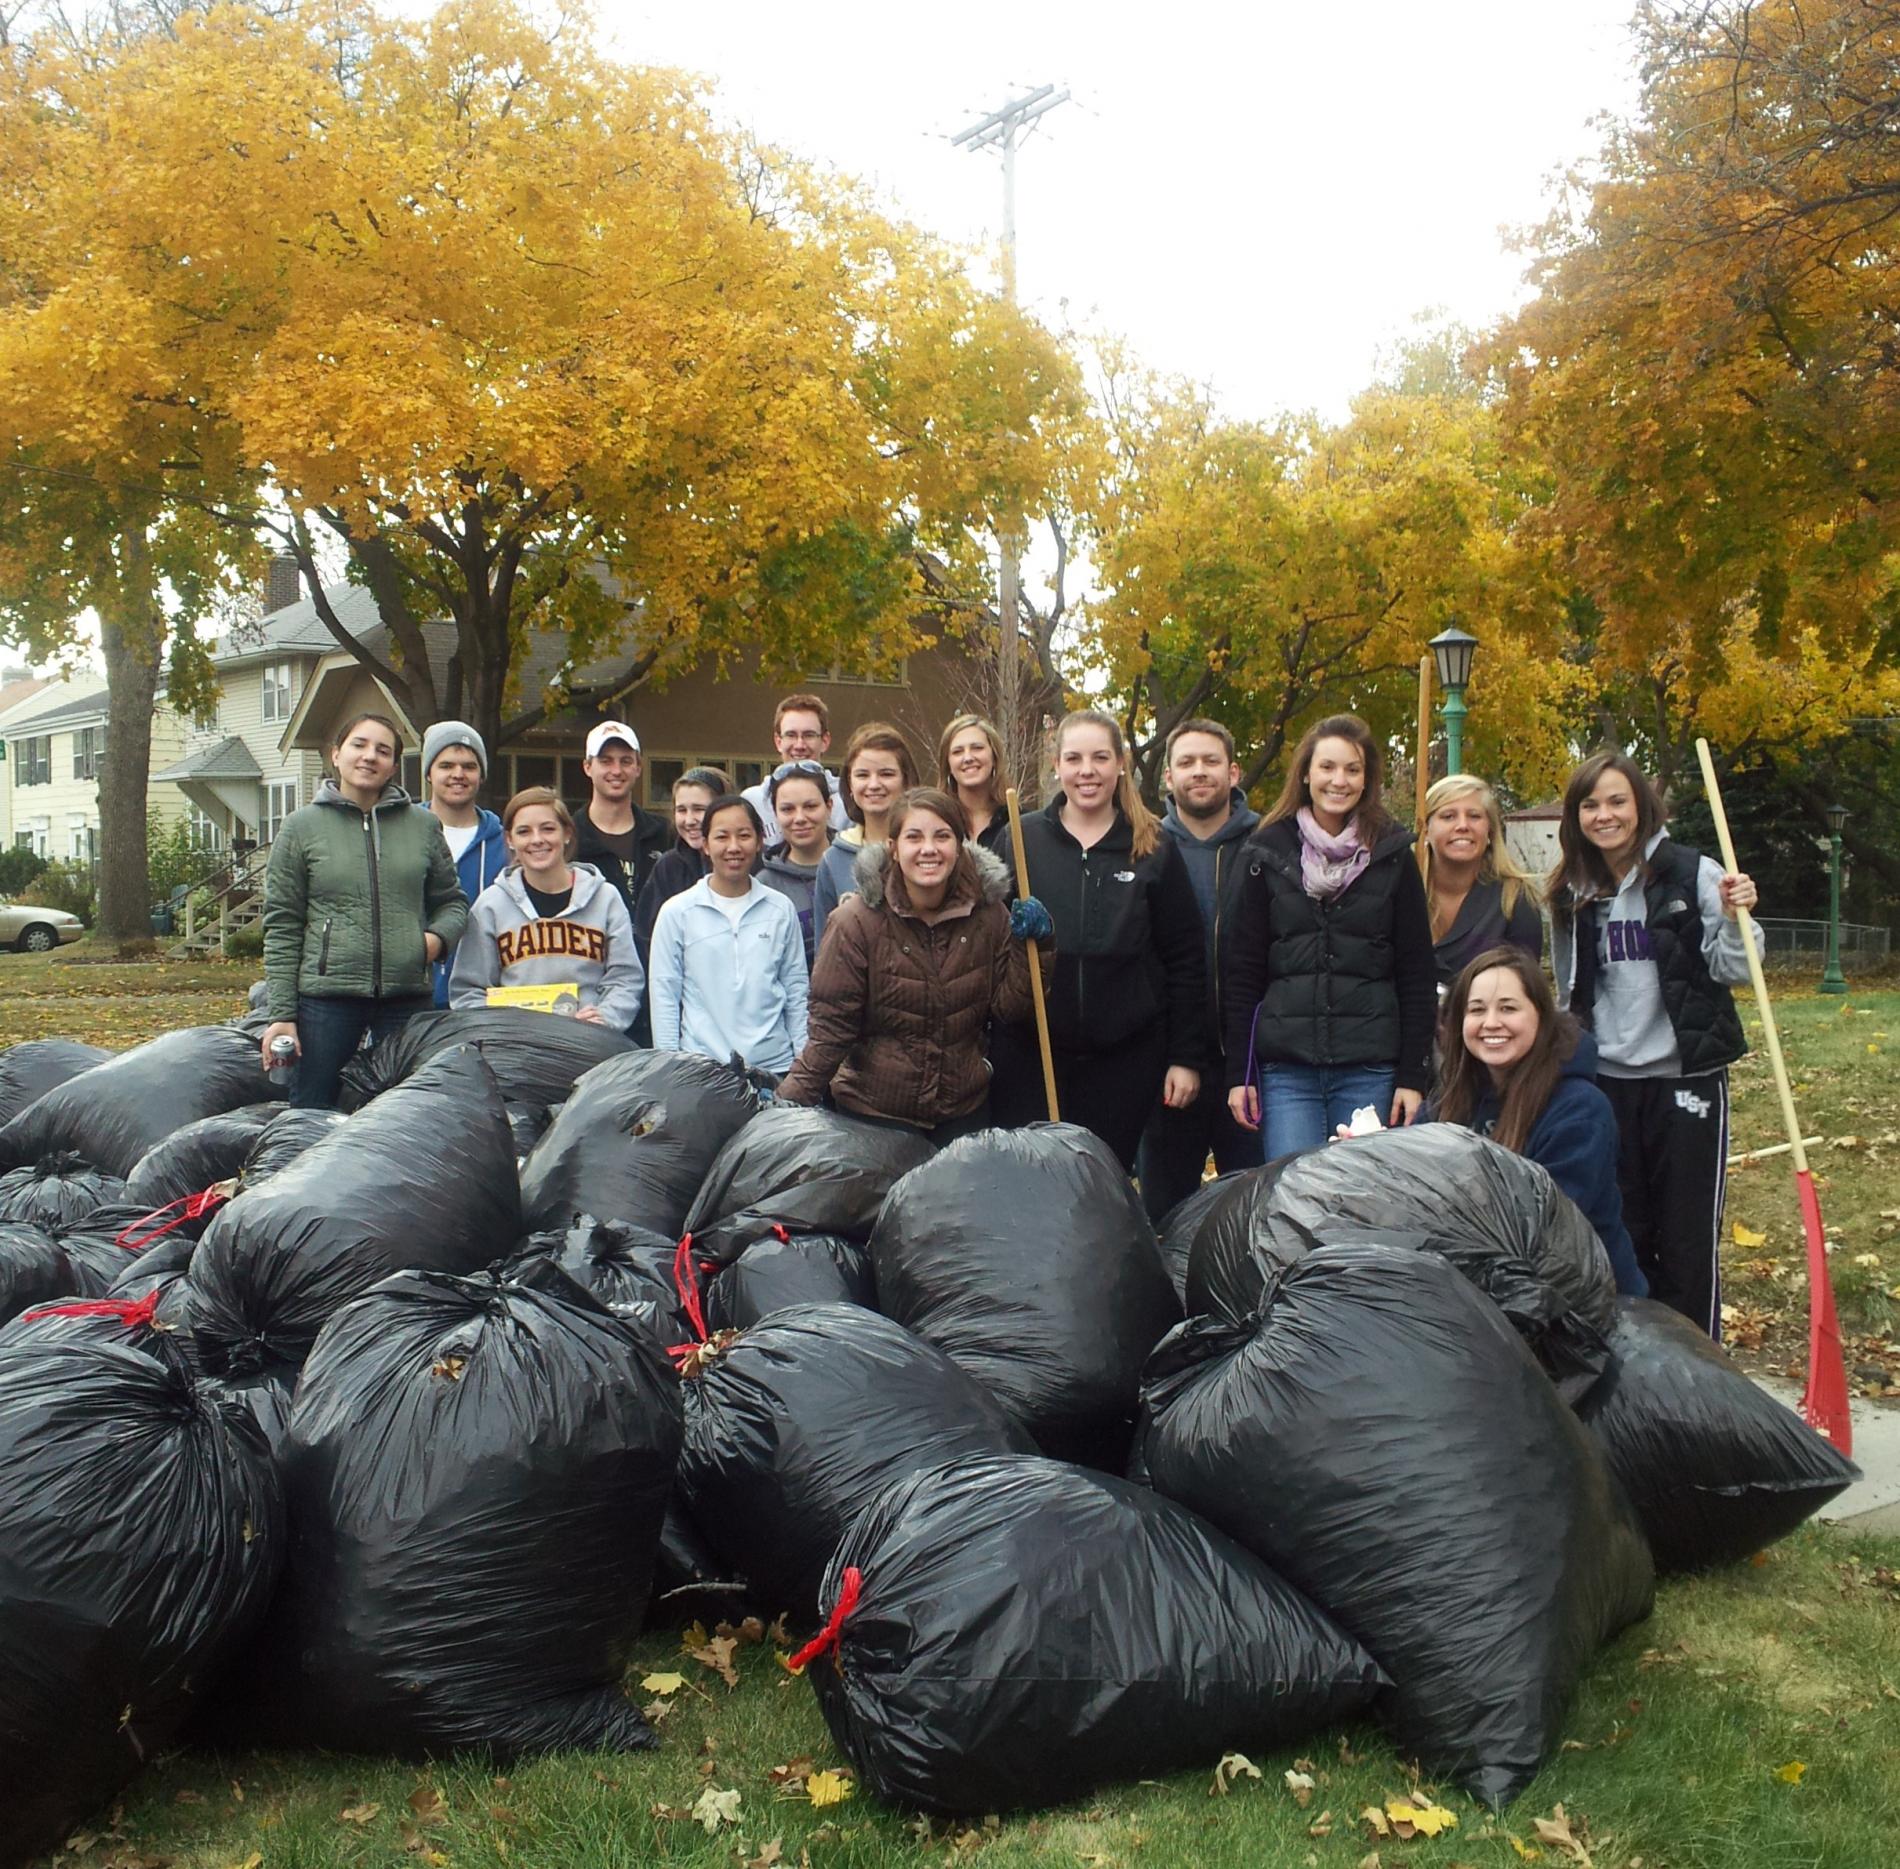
393,1429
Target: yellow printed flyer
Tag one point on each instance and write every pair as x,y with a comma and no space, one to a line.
562,996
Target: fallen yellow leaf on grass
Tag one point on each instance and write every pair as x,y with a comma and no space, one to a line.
1793,1772
1420,1819
1233,1765
827,1788
715,1808
1555,1830
663,1683
1524,1850
1744,1236
358,1814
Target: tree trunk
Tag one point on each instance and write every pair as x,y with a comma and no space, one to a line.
130,641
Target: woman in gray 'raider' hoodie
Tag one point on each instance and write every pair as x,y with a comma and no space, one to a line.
547,921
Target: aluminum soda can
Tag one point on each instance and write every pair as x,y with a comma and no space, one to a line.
283,1054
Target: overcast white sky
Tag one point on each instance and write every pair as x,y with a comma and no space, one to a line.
1257,196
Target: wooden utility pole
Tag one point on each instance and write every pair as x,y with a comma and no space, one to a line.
1001,129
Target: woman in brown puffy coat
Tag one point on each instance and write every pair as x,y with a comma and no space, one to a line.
911,972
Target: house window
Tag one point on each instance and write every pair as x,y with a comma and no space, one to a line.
89,745
279,681
536,769
82,841
205,831
36,837
280,800
205,719
898,676
35,762
740,772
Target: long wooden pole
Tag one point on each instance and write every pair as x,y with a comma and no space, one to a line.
1035,958
1825,1402
1422,776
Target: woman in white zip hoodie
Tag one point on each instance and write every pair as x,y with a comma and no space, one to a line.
728,958
546,921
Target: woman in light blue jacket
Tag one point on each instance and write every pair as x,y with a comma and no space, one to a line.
728,965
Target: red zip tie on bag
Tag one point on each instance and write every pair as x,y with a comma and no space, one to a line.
827,1637
131,1312
194,1206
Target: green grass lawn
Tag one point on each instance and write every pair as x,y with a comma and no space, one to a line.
1754,1720
1680,1751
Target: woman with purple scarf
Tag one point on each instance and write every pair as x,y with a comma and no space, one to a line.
1329,988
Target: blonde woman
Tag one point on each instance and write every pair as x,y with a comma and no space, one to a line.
971,768
1128,1008
1478,897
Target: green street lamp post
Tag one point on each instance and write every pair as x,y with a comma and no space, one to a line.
1832,979
1452,649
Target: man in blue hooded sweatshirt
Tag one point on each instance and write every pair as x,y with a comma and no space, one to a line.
454,770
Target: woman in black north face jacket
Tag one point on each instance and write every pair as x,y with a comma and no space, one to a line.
1127,1010
1329,982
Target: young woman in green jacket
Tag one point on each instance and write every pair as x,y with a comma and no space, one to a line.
360,898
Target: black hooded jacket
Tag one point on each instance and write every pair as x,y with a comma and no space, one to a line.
1128,938
1346,982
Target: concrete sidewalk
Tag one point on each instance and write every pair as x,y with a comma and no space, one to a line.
1874,1504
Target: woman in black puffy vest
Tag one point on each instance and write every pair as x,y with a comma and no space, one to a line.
1646,946
1330,985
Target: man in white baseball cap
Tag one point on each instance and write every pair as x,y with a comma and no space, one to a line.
616,836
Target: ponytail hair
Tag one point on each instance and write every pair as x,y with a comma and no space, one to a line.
1144,826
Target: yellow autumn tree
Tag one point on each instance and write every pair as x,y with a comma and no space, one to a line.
1268,573
1709,372
529,335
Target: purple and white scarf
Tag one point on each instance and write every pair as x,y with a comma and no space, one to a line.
1328,864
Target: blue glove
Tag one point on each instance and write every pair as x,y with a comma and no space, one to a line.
1029,920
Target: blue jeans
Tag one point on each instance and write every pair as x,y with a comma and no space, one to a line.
1302,1104
328,1033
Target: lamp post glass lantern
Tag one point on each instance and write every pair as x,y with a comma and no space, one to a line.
1452,650
1832,979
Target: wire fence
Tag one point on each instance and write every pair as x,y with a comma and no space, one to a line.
1786,942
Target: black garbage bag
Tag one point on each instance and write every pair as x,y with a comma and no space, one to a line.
477,1469
804,1171
423,1180
34,1270
29,1070
691,1581
527,1124
535,1058
786,1269
794,1426
144,1531
93,1243
56,1191
1025,1255
634,1141
1011,1632
154,1267
1715,1466
1382,1437
1177,1231
628,1268
199,1155
114,1112
1497,1217
282,1140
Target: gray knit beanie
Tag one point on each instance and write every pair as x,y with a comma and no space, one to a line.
446,733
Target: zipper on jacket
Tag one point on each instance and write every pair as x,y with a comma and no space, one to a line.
1082,951
375,912
323,951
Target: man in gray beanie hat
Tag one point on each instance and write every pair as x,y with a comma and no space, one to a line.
454,764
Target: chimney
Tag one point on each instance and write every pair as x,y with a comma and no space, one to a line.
281,587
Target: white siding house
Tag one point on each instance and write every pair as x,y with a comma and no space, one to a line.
49,773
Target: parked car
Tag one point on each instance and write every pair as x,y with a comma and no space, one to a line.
36,930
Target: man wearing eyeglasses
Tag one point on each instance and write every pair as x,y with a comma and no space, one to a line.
801,730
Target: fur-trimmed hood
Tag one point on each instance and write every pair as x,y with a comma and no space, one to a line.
873,861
